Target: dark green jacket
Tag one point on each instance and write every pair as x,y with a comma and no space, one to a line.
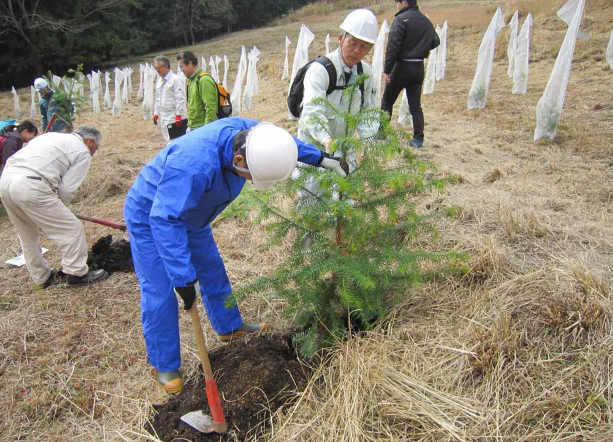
48,107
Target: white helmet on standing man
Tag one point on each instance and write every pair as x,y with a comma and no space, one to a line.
271,154
361,24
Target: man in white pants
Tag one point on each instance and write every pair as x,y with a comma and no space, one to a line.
169,96
36,185
360,30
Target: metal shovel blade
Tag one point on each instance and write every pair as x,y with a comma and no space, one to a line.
199,421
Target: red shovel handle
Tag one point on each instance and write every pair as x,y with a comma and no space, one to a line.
103,222
219,422
212,396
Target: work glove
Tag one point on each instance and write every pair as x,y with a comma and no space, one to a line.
155,120
335,164
178,119
188,294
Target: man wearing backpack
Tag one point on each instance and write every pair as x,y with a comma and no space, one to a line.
411,38
359,34
169,96
357,39
202,98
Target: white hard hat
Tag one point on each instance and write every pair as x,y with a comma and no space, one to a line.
361,24
271,154
40,84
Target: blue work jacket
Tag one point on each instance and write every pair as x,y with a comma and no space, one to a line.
185,186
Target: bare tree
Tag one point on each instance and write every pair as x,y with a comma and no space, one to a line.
25,18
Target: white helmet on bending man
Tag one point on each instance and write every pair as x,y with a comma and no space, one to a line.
271,154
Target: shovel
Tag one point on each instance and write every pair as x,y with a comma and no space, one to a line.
103,222
197,419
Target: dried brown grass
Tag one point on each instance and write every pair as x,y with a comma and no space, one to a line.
516,349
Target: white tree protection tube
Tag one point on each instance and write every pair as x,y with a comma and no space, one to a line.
217,61
327,43
125,92
549,108
512,47
141,69
117,102
212,69
95,93
107,92
237,90
377,59
301,57
226,66
32,101
16,104
286,62
441,63
477,96
521,67
404,116
149,77
252,86
430,80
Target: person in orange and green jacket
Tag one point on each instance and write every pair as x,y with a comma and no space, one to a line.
202,98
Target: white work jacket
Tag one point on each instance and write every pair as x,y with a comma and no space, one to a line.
60,160
316,82
169,98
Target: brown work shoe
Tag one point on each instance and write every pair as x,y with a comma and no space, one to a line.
170,381
243,330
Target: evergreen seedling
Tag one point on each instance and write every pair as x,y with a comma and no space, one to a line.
349,259
69,97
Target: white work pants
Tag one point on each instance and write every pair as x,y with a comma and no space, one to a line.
164,121
31,204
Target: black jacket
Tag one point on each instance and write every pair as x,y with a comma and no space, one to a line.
411,36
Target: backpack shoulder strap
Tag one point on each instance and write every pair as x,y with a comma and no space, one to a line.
360,72
327,63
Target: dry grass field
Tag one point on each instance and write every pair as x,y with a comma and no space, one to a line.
518,349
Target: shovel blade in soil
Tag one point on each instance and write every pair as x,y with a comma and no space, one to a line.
199,421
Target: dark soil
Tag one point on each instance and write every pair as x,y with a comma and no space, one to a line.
254,378
110,256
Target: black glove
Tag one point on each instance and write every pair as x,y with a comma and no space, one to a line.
188,294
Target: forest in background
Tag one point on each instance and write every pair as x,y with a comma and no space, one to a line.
38,36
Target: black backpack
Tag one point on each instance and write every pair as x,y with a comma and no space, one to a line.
296,91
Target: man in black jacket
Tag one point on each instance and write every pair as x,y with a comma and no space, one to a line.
411,38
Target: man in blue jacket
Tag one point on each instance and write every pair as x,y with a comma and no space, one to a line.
168,212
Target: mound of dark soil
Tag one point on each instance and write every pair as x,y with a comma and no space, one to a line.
110,256
254,378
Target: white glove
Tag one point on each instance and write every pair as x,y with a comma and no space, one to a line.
333,164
